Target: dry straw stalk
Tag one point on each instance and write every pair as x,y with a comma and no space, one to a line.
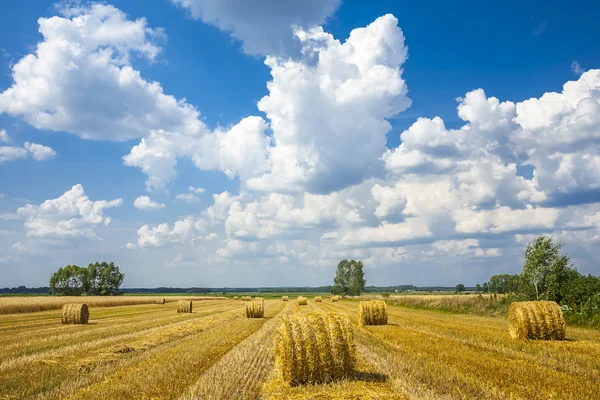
184,306
284,298
255,308
536,320
314,348
372,312
75,314
302,301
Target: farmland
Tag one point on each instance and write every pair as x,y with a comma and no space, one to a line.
150,351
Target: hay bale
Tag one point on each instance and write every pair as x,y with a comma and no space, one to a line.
372,312
184,306
235,297
302,301
161,301
318,299
335,299
284,298
75,314
314,348
255,309
246,298
536,320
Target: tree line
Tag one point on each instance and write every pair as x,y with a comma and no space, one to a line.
98,279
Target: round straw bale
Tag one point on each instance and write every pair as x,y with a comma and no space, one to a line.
314,348
255,309
184,306
302,301
235,297
536,320
334,299
373,312
284,298
161,301
318,299
75,314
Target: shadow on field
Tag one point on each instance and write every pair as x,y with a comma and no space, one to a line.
365,376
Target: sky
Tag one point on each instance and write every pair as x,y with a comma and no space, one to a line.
202,143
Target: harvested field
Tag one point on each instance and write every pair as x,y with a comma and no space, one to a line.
150,351
14,305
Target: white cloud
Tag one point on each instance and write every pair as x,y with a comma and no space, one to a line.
323,110
263,27
10,153
145,203
130,246
71,215
163,234
40,152
196,190
88,51
188,197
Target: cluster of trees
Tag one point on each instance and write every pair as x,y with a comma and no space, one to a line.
349,278
99,279
549,275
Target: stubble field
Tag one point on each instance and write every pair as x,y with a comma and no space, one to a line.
148,351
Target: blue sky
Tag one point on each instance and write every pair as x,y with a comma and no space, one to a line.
306,170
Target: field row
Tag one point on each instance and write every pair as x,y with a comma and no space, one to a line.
150,351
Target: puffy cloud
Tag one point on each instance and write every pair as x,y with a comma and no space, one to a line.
238,151
332,104
10,153
264,27
162,235
71,215
196,190
145,203
39,152
88,51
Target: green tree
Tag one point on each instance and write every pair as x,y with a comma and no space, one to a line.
546,272
349,278
358,282
68,281
478,288
104,279
504,283
460,288
485,287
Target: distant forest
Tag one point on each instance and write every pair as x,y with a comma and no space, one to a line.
199,290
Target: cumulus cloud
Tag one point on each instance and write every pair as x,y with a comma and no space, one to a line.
263,27
188,197
145,203
196,190
80,79
71,215
37,151
322,111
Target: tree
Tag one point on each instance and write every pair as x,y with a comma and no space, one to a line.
460,288
478,288
546,272
349,278
99,279
485,287
358,282
503,283
104,279
68,281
